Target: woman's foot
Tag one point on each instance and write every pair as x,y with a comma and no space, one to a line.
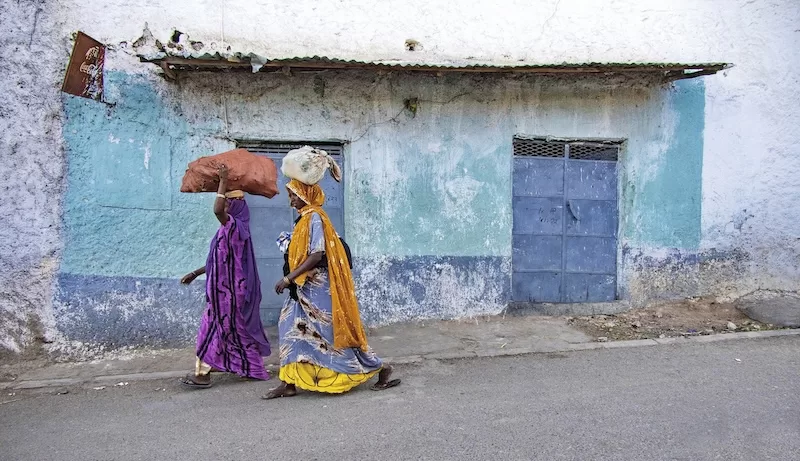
384,379
284,390
193,380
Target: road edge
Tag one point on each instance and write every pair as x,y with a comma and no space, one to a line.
111,380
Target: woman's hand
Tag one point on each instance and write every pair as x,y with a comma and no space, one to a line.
311,275
223,172
188,278
282,285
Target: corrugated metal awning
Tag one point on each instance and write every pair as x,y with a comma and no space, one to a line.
669,71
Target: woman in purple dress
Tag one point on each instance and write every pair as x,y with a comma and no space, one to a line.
231,337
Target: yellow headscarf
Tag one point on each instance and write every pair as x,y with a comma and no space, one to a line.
347,328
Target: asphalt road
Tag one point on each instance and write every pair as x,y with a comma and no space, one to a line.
730,400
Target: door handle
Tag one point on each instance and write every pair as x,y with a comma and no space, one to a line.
573,210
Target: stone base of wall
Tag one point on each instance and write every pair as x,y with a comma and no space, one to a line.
648,276
127,311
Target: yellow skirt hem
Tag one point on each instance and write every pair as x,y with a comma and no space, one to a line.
315,378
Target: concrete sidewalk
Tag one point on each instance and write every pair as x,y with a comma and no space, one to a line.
399,344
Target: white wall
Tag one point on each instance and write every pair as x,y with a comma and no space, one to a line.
31,170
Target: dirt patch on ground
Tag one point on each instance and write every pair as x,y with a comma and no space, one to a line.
693,317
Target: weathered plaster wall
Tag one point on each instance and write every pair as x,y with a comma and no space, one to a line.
31,168
738,237
751,185
427,199
127,232
660,203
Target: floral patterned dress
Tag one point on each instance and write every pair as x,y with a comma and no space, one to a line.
308,358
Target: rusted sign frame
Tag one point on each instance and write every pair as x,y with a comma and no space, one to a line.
84,76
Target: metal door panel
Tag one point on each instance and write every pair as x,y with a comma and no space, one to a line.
591,254
591,217
537,287
581,288
270,316
538,177
338,222
536,253
265,226
534,215
270,271
591,180
333,192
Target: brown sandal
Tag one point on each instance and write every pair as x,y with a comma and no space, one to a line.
189,381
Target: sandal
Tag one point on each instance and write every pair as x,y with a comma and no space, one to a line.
189,381
278,392
386,385
383,380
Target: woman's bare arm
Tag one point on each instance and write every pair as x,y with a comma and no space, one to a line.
219,203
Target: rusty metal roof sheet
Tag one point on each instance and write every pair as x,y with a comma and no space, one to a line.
256,63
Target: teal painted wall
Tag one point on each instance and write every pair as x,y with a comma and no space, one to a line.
123,214
433,183
440,193
663,194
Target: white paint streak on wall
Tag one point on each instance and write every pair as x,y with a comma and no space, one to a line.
147,155
460,192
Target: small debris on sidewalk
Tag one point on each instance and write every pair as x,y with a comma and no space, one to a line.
120,384
62,392
691,317
99,388
738,360
602,339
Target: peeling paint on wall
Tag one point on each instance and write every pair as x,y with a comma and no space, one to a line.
119,216
399,289
128,311
663,187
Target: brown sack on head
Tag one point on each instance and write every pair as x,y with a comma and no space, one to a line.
249,172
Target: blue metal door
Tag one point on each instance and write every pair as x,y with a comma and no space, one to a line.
565,221
270,217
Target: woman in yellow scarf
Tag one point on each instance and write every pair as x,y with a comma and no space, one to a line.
323,346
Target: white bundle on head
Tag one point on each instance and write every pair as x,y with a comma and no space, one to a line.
308,164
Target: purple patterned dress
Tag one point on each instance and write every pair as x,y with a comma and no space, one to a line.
231,337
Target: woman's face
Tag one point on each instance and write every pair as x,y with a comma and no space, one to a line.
295,201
